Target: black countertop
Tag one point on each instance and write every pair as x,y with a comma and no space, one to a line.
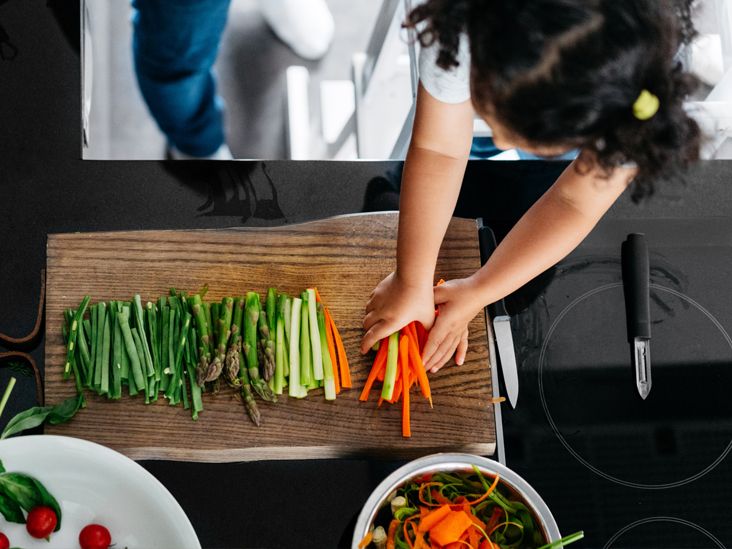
45,187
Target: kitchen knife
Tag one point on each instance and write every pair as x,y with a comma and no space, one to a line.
501,325
636,287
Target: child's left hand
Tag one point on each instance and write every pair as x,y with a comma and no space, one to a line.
458,305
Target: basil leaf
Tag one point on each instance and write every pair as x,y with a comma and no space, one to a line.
11,510
30,418
33,417
63,412
21,489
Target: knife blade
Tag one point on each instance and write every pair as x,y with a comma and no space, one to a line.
636,290
502,327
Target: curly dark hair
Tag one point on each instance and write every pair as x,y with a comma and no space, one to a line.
567,72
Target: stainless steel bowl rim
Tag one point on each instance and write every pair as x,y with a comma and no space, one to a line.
445,462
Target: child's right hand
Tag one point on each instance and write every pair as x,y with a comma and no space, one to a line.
395,303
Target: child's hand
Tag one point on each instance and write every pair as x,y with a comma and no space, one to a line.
458,305
393,305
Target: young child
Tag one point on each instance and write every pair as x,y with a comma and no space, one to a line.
548,76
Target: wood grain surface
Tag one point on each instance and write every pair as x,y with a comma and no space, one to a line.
345,257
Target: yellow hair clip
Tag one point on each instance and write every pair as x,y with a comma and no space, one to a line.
646,106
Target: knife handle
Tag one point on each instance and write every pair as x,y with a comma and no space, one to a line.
636,286
487,243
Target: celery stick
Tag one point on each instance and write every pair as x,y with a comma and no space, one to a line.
278,381
295,389
315,335
391,367
306,362
328,379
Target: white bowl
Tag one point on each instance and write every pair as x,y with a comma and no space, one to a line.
94,484
454,462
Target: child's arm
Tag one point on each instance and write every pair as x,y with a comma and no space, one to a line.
549,231
433,173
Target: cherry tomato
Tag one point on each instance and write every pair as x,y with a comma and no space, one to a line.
41,521
94,536
4,541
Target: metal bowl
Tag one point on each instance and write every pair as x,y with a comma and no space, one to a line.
452,462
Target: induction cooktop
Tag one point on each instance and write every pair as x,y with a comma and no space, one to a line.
631,473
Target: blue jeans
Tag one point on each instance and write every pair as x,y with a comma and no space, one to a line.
174,46
483,148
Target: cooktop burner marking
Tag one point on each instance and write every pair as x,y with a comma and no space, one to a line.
555,428
641,522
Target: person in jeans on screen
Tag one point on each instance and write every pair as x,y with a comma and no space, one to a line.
175,43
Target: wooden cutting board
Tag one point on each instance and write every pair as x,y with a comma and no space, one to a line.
345,257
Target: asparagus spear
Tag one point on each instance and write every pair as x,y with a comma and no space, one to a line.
223,331
251,318
236,370
232,364
266,347
204,371
271,308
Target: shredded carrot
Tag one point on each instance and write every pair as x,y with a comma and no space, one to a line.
429,521
487,544
488,493
391,535
439,498
406,531
332,352
420,493
345,370
379,366
404,359
366,540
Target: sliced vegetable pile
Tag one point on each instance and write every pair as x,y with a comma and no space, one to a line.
398,365
457,510
182,346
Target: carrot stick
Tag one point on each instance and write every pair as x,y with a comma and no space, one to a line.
424,383
332,352
345,371
429,521
366,540
404,360
391,535
379,366
317,295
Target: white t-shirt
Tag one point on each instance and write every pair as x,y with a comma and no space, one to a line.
448,86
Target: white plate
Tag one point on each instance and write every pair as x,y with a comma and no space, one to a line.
94,484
